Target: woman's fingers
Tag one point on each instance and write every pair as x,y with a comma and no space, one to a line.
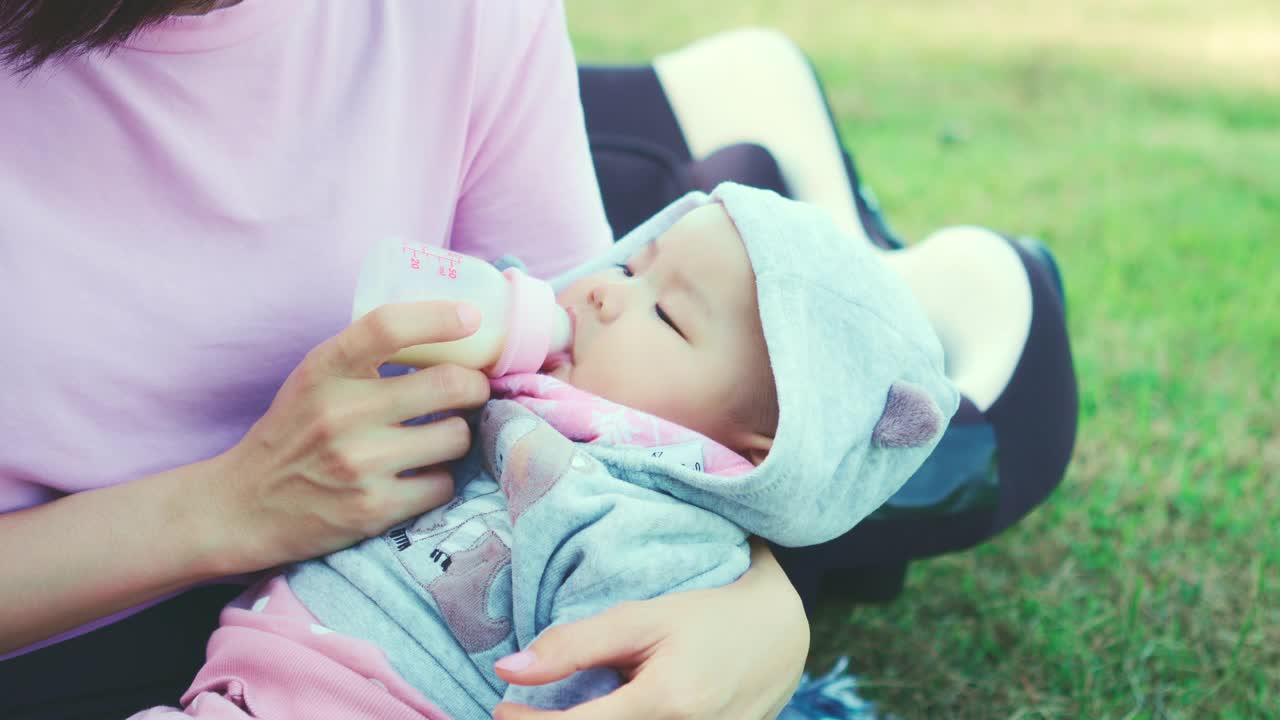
396,451
633,701
609,639
427,489
368,342
430,390
693,655
399,472
435,443
319,470
619,637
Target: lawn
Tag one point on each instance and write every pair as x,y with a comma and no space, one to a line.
1141,141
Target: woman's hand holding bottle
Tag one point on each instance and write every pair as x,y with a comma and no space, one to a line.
322,468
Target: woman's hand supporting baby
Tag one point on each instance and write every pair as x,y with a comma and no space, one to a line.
316,473
729,653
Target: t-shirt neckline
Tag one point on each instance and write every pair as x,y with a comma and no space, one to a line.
219,28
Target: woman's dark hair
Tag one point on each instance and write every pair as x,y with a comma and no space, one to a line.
34,31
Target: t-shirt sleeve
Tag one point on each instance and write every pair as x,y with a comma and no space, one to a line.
528,187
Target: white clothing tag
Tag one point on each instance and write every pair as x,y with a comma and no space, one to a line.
688,454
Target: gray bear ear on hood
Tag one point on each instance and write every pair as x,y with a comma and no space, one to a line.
910,419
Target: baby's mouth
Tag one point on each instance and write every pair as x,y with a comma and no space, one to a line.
560,362
573,326
558,365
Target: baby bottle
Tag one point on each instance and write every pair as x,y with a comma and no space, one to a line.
520,321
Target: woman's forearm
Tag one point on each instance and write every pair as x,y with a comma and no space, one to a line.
94,553
318,472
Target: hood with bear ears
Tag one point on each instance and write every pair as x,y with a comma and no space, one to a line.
863,396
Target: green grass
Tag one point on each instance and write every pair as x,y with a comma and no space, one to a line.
1146,153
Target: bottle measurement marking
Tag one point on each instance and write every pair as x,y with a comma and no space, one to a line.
446,262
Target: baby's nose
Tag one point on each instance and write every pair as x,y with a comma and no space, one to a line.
608,299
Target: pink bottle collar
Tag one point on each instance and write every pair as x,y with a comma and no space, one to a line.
531,316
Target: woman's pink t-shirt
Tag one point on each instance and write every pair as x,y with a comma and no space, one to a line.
183,219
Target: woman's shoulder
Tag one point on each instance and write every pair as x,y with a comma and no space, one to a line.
491,48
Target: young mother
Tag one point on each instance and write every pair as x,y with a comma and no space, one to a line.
181,399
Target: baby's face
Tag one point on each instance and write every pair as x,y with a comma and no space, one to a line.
675,331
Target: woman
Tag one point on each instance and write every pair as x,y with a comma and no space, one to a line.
180,221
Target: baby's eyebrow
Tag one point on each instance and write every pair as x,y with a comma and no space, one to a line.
651,251
690,288
683,283
644,256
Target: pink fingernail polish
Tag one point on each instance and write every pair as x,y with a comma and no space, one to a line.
516,662
469,316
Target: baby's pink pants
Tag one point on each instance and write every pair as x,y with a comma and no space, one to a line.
271,658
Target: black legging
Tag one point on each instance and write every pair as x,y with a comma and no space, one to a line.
643,163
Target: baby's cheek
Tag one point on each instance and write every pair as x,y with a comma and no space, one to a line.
601,376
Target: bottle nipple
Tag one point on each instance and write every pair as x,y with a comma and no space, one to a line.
561,330
537,327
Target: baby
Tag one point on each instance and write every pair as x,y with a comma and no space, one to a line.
738,367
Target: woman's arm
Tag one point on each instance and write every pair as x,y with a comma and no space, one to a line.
731,653
319,471
95,553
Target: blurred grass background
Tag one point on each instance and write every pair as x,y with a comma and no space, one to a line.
1141,140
